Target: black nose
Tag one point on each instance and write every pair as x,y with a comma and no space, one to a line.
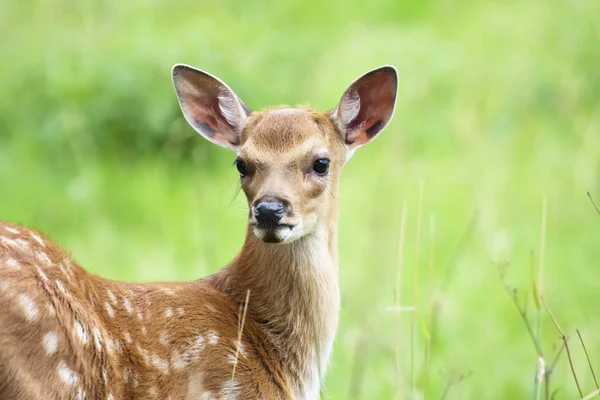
268,212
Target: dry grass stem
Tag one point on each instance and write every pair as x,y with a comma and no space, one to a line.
593,202
588,359
399,267
240,332
564,338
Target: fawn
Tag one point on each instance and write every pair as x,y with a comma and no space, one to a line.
261,327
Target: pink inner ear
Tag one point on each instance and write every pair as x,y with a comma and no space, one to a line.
377,93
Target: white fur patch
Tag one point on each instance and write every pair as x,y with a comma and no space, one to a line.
28,307
164,338
44,258
14,264
66,374
160,364
41,273
213,337
37,239
97,338
230,389
110,311
111,295
11,230
127,305
50,342
81,333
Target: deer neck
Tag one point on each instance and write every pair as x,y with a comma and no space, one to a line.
294,294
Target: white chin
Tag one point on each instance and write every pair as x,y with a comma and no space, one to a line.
281,234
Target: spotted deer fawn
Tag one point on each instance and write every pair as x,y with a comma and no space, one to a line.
260,328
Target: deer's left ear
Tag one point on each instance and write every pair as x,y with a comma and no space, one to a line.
367,106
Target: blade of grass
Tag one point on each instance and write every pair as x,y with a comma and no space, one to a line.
588,358
593,202
240,332
564,338
416,289
399,267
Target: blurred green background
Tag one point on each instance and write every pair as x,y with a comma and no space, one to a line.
498,108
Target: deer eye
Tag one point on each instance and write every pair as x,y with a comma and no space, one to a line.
241,166
321,166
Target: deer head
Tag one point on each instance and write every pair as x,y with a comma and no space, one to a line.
288,158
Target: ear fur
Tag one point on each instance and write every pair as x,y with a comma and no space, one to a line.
210,106
367,106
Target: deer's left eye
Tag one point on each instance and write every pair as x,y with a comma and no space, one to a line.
321,166
242,167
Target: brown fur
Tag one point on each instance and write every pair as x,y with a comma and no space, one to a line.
65,333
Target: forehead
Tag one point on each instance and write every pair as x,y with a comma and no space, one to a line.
286,129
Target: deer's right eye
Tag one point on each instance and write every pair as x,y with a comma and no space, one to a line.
242,167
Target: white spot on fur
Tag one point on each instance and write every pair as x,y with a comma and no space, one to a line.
110,346
126,374
168,312
140,316
81,333
80,394
213,337
127,337
112,296
66,374
50,341
169,291
144,353
153,391
67,264
180,311
4,286
14,264
127,305
64,271
207,396
118,347
44,258
164,338
144,331
110,397
37,239
28,307
41,273
178,360
211,308
198,343
11,230
14,243
159,363
97,338
230,389
60,286
51,310
109,309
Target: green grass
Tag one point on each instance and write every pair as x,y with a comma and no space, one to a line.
498,107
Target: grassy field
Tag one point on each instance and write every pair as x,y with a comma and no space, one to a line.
498,114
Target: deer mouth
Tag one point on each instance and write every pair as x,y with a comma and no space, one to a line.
272,233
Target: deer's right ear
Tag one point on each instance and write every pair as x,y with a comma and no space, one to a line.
210,106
